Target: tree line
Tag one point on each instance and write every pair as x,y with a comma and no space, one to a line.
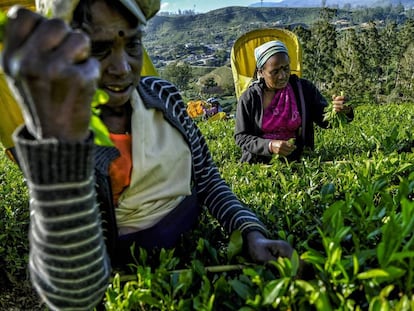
372,62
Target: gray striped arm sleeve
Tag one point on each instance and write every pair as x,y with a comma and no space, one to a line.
68,263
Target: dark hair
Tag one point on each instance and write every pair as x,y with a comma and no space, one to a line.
255,74
82,16
257,79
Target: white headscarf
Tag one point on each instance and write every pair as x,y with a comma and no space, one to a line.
263,52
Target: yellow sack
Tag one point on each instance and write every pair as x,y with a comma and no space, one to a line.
148,68
243,63
218,116
5,5
10,114
195,108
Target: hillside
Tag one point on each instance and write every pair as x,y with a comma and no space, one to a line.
177,37
333,3
197,38
211,24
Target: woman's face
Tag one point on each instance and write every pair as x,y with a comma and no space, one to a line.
117,44
276,71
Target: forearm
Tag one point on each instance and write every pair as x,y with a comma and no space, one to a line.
247,131
68,262
229,211
218,197
253,144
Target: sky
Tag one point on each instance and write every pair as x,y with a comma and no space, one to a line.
201,6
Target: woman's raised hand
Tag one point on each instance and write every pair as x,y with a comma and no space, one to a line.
51,73
338,104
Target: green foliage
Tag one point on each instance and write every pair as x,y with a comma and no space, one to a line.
14,220
178,73
369,62
348,211
321,61
335,120
347,208
96,125
218,82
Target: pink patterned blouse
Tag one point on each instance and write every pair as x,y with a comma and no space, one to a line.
281,118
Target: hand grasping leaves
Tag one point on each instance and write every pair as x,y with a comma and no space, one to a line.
101,133
334,118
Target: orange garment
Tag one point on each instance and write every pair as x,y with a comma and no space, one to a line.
120,169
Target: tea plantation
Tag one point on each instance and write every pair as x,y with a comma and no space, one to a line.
347,208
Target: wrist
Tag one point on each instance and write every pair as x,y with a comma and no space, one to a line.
254,235
347,109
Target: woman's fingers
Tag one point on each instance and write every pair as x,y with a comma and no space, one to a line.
48,35
53,73
75,48
40,53
281,248
21,23
282,147
30,36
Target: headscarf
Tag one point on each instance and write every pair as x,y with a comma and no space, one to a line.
263,52
143,10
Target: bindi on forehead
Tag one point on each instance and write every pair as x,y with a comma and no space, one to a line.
121,33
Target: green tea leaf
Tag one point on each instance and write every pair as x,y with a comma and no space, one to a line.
274,289
100,98
295,263
101,132
96,125
235,244
335,120
240,288
374,273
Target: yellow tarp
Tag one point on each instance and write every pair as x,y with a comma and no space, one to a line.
148,69
195,108
243,63
218,116
10,114
6,4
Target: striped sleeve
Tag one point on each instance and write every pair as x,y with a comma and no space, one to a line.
211,188
217,195
68,263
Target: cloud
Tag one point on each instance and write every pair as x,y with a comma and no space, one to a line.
164,6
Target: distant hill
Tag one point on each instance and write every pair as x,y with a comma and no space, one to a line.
222,25
222,76
331,3
206,39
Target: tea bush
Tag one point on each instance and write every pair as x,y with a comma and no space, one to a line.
347,209
14,220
